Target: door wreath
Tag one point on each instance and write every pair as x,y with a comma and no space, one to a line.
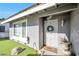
50,28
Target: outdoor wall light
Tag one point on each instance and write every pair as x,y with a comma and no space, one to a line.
62,23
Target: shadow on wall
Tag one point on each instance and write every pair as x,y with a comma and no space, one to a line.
34,45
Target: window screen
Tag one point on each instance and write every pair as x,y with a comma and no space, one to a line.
17,28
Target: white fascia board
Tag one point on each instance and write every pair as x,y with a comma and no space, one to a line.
30,11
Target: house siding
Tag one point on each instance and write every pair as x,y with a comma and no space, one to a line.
75,30
65,29
49,12
6,33
32,31
35,27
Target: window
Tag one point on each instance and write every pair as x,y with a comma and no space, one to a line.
2,28
24,29
17,29
20,29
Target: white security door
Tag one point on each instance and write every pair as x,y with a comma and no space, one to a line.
50,32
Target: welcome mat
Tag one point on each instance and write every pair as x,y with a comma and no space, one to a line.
51,49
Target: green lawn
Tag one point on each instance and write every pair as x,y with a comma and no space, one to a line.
7,45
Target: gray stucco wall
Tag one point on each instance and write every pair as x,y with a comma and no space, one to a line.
75,30
65,29
32,31
35,27
50,11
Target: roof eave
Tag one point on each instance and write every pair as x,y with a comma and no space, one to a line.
28,12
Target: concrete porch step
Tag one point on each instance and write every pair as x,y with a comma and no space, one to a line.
46,51
51,49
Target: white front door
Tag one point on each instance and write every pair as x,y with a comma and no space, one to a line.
50,32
